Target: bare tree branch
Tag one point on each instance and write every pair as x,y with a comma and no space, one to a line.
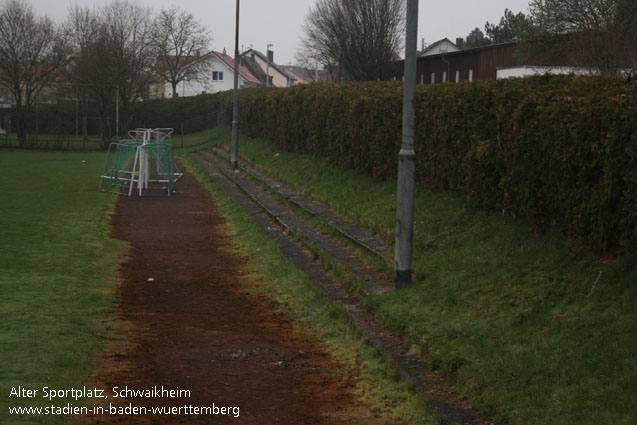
353,39
32,53
113,55
180,43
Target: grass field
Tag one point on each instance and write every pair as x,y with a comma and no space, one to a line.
93,143
58,267
512,318
524,325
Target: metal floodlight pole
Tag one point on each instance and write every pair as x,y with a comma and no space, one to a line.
406,157
234,158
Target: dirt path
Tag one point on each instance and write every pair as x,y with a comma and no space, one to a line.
196,326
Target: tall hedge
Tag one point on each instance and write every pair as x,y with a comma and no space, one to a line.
191,114
555,150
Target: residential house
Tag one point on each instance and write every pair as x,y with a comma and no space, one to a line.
306,75
218,76
439,47
301,75
260,65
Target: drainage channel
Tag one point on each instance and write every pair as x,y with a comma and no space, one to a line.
373,244
410,367
374,282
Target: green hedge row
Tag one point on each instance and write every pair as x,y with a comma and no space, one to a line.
556,150
59,119
190,114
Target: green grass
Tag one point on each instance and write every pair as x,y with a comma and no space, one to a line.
503,313
193,139
58,269
53,142
377,384
70,142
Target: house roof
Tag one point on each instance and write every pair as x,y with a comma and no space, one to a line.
243,71
162,62
298,72
224,58
272,64
432,46
467,51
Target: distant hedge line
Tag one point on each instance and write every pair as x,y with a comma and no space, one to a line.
555,150
190,114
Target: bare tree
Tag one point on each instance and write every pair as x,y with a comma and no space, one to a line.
91,68
180,43
601,34
353,39
113,57
128,33
32,53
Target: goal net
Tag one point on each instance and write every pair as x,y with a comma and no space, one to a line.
144,164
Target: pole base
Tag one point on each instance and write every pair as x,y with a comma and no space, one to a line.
402,279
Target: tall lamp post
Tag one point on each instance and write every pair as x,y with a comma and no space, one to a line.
406,157
234,157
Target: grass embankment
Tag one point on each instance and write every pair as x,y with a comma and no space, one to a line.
58,270
378,385
523,324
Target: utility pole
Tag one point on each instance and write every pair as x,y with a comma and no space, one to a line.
407,157
234,157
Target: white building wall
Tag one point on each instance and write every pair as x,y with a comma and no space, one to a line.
528,71
207,83
278,79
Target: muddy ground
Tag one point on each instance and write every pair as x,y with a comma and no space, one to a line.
192,322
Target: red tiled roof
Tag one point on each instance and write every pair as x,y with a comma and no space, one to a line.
228,60
243,71
162,63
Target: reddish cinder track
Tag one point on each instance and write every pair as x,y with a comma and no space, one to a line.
197,326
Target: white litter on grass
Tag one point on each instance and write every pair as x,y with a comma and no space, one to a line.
150,279
83,160
276,154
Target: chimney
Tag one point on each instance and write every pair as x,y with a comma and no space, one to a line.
460,43
270,55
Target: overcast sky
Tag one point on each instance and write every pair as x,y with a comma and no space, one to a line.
280,22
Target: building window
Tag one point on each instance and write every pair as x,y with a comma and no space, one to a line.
471,75
217,75
457,76
433,77
444,76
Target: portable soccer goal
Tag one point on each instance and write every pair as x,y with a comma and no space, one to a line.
143,163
